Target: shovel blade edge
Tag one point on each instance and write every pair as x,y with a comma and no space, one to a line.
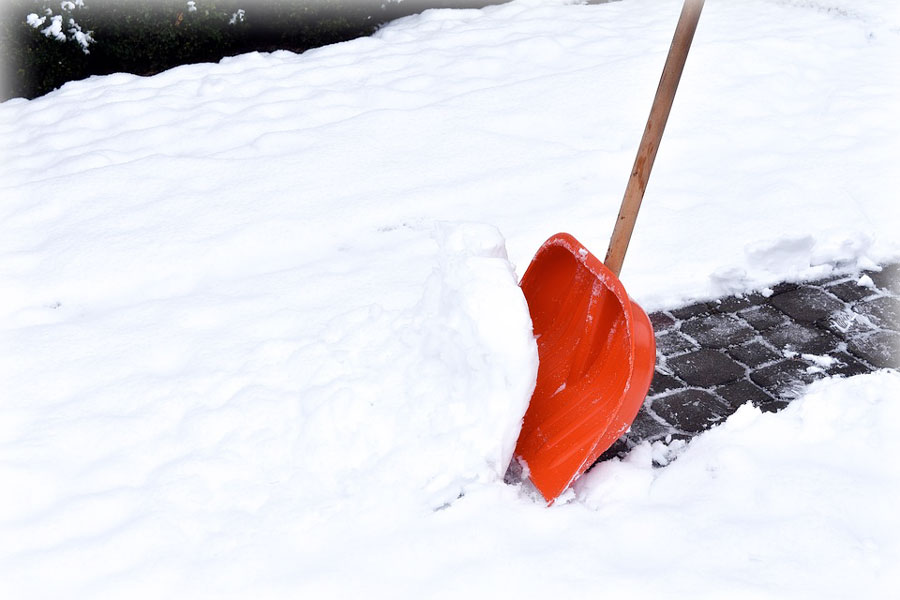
596,353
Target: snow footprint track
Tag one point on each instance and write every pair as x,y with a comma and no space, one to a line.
765,348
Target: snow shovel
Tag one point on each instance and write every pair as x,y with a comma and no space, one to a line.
596,347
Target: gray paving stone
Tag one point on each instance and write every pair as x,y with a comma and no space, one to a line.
731,304
691,410
848,323
663,383
718,331
784,379
706,367
753,353
884,312
618,450
783,287
850,291
807,304
888,278
669,343
773,406
880,349
801,337
763,317
645,427
741,392
661,321
693,310
847,365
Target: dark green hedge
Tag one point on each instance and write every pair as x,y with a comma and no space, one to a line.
148,36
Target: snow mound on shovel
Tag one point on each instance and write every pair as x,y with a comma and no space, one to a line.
386,375
440,388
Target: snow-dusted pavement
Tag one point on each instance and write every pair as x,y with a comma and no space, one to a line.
260,333
765,349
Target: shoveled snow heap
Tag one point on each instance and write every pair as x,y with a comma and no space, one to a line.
260,337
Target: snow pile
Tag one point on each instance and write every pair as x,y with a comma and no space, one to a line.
770,505
260,337
400,385
784,505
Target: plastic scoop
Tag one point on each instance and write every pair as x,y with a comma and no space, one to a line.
596,347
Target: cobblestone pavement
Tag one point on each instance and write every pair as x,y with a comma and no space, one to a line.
765,348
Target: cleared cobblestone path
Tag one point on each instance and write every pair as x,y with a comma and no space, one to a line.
715,356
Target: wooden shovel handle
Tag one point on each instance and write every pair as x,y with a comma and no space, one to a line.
656,123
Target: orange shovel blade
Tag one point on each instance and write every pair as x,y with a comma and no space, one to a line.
597,354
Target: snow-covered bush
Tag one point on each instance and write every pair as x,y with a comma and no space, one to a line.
61,26
46,43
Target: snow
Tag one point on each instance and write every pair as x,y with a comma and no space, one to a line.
820,362
760,504
865,281
260,333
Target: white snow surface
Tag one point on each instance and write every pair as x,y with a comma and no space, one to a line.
260,334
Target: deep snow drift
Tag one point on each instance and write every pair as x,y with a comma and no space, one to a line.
260,335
